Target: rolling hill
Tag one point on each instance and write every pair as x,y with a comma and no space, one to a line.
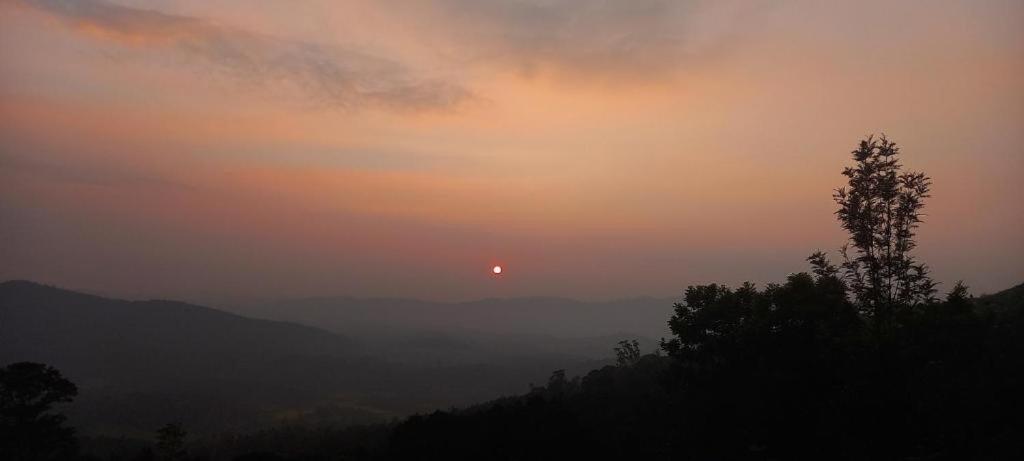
140,364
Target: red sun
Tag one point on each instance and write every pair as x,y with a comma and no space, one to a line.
496,270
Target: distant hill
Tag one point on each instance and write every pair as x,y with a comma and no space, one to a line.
1003,301
146,340
140,364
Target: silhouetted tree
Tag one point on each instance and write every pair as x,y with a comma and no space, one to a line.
29,429
881,209
754,366
627,353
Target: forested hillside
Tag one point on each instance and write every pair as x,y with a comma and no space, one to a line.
141,364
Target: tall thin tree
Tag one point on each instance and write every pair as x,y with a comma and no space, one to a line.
881,208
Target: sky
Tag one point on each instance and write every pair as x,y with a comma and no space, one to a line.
233,150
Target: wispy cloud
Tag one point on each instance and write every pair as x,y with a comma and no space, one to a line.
593,37
332,75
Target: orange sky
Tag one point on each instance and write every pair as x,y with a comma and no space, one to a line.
218,151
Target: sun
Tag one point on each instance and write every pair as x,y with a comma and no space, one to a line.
496,270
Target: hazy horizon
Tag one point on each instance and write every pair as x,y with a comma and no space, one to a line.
231,152
375,230
241,303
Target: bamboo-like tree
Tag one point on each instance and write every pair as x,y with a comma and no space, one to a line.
881,208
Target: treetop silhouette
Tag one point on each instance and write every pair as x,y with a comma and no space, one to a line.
881,209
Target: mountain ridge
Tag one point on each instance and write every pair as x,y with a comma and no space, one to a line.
140,364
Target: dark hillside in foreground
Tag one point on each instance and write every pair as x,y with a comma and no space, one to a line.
1005,301
959,374
797,381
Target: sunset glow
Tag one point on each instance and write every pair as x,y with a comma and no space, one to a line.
511,229
223,150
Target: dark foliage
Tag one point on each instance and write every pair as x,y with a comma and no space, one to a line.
787,372
628,352
790,371
881,208
29,427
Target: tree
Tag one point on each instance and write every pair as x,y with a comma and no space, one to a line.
627,353
754,366
881,209
28,428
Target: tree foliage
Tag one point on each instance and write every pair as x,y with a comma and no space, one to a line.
881,209
627,353
29,427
